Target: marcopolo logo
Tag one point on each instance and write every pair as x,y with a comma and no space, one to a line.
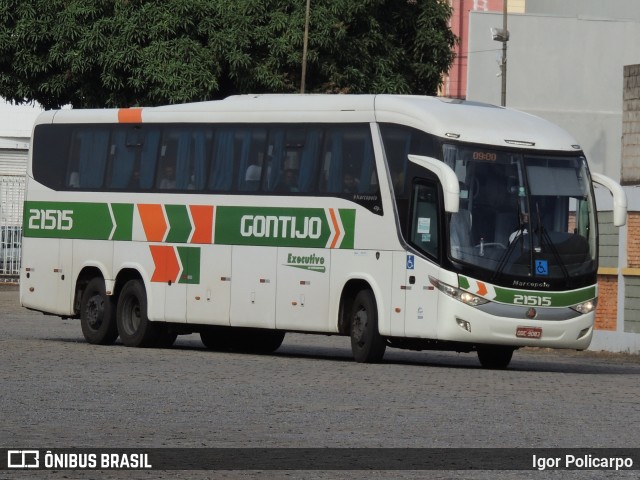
285,227
313,262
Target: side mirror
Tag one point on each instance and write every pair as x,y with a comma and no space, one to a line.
619,197
447,177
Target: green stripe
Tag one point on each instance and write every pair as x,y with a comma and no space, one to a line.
280,227
90,221
348,217
190,259
534,298
179,224
123,214
558,299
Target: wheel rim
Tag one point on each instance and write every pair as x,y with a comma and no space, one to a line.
94,311
132,317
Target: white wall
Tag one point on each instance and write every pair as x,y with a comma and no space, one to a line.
16,123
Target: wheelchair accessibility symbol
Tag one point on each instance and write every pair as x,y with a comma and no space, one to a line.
542,267
410,262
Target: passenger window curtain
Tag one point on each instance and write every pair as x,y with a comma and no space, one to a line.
94,145
309,160
334,184
149,158
123,161
277,159
182,160
245,150
199,161
222,168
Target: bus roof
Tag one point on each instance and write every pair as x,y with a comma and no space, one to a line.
447,118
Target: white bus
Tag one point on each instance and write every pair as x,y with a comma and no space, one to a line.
400,221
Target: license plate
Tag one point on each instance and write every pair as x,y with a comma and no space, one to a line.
529,332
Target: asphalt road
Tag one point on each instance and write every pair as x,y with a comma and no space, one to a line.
57,391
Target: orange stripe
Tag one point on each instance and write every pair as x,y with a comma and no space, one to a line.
153,221
166,263
336,226
203,223
482,289
130,115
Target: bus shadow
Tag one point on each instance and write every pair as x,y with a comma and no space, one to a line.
527,362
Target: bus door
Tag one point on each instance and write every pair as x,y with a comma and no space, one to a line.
423,234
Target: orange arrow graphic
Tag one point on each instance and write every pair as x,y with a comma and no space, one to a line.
336,225
482,289
203,223
153,222
166,263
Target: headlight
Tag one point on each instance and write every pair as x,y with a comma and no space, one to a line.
461,295
586,307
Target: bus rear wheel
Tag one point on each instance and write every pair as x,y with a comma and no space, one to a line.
260,341
98,314
133,324
216,338
496,357
367,345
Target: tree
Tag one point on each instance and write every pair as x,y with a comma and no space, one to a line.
136,52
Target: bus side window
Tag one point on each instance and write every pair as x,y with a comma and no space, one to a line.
251,159
293,159
88,158
349,163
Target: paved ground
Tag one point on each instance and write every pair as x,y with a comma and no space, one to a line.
58,391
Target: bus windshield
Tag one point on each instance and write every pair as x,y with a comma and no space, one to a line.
522,214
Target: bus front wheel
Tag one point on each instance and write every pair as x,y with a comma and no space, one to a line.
133,324
97,314
367,345
496,357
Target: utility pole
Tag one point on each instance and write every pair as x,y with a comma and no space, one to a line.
305,42
503,65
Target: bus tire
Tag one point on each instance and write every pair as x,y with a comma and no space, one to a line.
133,324
166,337
495,357
259,341
216,338
367,345
98,314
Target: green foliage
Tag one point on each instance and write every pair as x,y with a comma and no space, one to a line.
107,53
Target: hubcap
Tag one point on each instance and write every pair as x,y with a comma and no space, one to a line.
95,311
132,317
